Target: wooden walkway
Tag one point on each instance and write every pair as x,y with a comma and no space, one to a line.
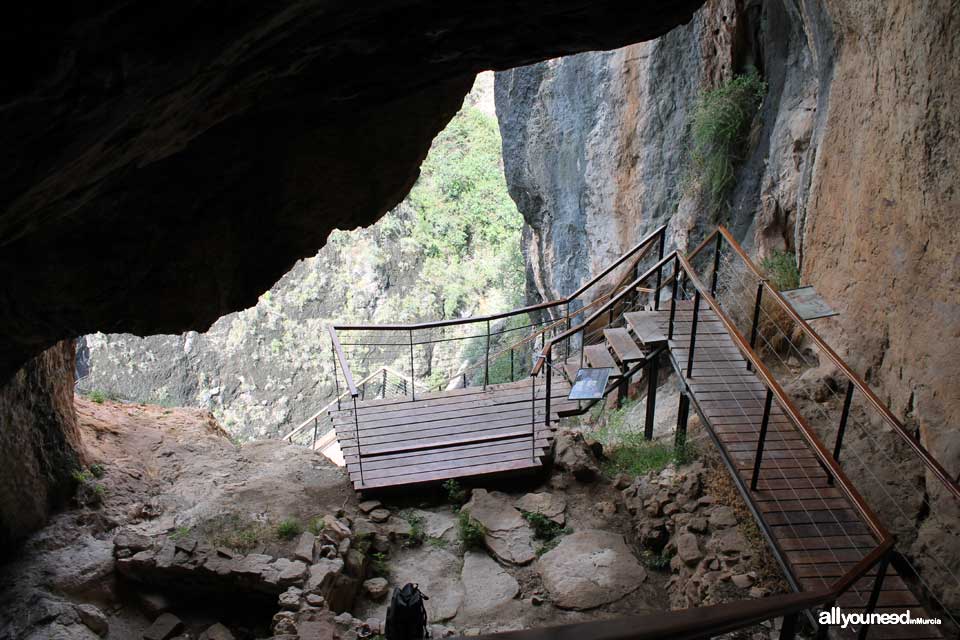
448,434
818,532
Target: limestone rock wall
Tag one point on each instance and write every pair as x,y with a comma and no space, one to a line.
852,164
39,443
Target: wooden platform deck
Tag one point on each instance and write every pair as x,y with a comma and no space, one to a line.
818,531
448,434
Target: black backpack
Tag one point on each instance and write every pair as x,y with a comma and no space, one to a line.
406,615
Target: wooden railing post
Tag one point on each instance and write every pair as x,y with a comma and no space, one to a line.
356,424
842,427
413,390
549,380
656,291
758,459
693,332
875,593
652,370
336,378
756,320
716,267
673,296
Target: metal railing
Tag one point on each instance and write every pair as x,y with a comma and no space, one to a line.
684,274
482,350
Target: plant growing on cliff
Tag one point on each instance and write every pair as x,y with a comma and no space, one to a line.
97,396
781,268
289,528
721,124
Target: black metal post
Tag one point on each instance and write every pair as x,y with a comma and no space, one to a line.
842,427
486,360
673,296
875,593
569,320
383,391
413,390
683,412
763,436
693,332
823,629
549,380
716,266
464,379
652,370
789,629
314,445
756,321
656,292
356,422
511,364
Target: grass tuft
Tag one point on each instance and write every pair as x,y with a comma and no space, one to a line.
470,531
721,124
781,269
289,529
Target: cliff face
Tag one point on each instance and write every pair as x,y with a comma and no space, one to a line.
39,443
264,370
851,163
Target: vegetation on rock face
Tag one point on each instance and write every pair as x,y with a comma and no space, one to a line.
451,249
469,531
721,124
781,268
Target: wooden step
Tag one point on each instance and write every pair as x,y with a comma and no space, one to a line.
646,326
623,345
598,357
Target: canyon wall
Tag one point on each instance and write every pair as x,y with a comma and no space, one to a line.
39,443
852,163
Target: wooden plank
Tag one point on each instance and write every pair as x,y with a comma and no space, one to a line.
598,356
433,476
645,326
623,345
823,556
482,459
444,440
375,424
826,542
798,493
831,516
408,458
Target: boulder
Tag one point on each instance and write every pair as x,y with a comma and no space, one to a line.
574,455
216,632
550,505
506,532
590,568
379,515
722,517
688,549
164,627
487,583
306,547
369,505
93,618
376,588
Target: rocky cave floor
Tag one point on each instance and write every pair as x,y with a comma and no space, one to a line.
179,533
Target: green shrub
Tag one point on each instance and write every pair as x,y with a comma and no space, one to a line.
543,527
781,269
721,124
455,493
655,561
636,456
180,533
289,529
470,531
378,564
97,396
417,534
96,470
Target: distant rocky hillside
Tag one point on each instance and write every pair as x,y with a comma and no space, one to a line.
452,247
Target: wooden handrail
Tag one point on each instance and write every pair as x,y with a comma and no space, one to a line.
644,244
347,375
785,403
928,460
